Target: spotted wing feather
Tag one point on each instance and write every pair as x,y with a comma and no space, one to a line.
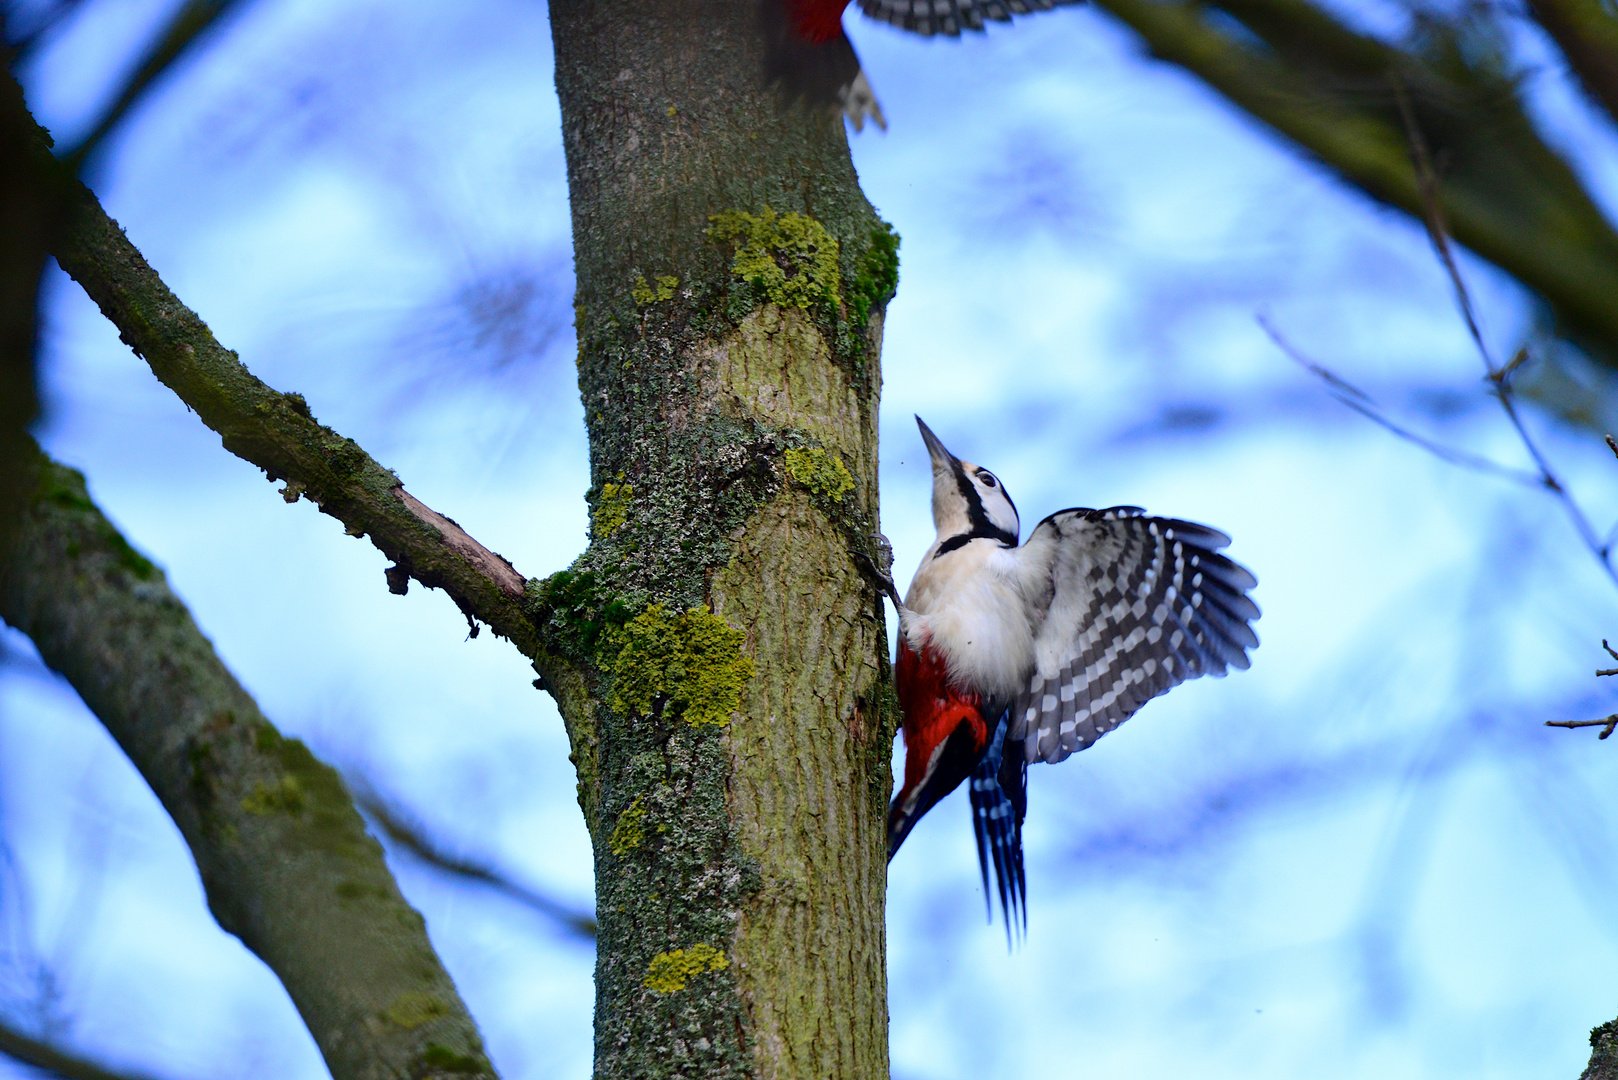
1137,605
929,17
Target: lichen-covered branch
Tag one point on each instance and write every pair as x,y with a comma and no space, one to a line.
284,857
1505,193
278,433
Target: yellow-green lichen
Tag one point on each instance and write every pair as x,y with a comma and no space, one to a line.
644,294
349,889
612,508
670,971
629,832
791,258
820,472
444,1060
694,661
285,796
414,1008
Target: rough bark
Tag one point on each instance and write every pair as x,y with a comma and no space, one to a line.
1603,1053
1505,193
730,282
283,855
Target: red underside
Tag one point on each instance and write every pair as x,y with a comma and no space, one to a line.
818,21
932,710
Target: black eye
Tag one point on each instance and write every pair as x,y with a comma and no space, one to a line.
987,478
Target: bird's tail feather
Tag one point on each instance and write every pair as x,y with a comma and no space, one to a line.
999,794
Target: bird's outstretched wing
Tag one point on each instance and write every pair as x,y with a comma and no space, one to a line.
950,17
1137,605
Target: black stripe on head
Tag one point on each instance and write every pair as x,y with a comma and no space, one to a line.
982,528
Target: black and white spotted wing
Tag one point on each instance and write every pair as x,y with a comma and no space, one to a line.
1137,605
950,17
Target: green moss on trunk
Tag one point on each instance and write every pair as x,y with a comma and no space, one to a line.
744,392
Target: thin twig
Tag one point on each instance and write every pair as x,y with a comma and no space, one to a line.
1360,402
414,839
1433,215
1607,724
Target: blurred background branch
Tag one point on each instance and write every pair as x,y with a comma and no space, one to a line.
1587,33
52,1060
1507,195
188,26
410,835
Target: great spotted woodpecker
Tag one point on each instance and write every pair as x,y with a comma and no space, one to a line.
809,56
1010,655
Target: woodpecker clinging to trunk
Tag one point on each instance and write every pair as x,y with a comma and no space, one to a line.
1010,655
809,56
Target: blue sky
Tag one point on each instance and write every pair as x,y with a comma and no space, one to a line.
1364,856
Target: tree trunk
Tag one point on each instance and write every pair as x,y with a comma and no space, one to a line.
726,690
1603,1053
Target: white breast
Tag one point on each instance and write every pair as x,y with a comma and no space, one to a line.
967,604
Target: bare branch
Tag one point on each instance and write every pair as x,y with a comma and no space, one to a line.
1361,403
53,1060
409,835
188,24
284,858
1438,232
1432,215
1607,724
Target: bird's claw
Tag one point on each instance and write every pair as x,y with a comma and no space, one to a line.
877,568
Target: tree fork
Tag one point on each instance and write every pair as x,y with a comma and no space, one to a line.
732,727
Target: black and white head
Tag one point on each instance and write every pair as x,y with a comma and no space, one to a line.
968,501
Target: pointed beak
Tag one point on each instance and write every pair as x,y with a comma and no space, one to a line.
942,458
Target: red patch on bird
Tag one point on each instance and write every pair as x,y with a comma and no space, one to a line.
818,21
932,709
